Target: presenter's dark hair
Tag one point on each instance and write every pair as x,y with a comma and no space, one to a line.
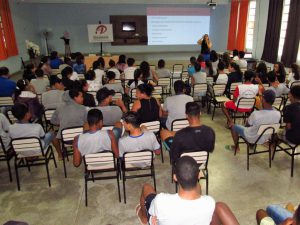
94,116
187,172
161,64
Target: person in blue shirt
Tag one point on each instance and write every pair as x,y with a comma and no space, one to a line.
7,86
55,62
191,68
79,66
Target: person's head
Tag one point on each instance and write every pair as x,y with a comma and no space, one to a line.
205,37
272,76
213,56
45,60
261,68
130,61
179,87
67,72
111,63
186,173
249,75
234,67
21,112
76,95
67,60
4,71
131,121
90,75
193,60
161,64
145,68
221,66
30,68
241,54
279,68
53,55
95,118
101,61
294,94
197,67
22,85
104,96
110,75
39,73
137,75
122,59
192,110
200,58
144,91
55,83
268,98
80,59
226,59
235,52
73,56
84,86
96,65
296,71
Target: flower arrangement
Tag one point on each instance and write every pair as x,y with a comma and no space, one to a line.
33,49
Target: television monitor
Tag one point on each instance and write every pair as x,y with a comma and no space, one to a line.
128,26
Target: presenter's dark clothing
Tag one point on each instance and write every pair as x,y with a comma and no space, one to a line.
204,48
149,110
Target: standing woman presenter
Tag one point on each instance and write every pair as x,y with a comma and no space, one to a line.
205,46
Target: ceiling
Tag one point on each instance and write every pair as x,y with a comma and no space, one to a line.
181,2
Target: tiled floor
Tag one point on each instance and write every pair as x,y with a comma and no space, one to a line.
63,204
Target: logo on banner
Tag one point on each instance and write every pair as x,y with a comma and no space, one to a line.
101,29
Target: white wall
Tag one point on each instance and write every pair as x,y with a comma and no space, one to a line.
26,28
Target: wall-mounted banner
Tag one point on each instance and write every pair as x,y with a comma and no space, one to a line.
100,33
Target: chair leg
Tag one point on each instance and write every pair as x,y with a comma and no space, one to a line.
206,182
124,188
9,170
293,161
85,190
154,180
53,156
28,166
17,173
248,149
47,169
270,153
213,114
64,163
176,187
118,183
274,152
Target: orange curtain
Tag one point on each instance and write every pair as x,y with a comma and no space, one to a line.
241,35
233,25
8,28
3,52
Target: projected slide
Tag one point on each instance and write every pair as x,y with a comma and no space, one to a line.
176,26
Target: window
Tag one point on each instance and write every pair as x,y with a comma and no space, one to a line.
250,25
284,21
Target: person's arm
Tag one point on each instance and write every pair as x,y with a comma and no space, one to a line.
165,108
199,42
209,44
55,118
193,80
121,104
114,145
154,75
136,106
76,153
160,109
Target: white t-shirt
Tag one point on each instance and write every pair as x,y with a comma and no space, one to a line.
171,209
40,85
99,74
242,63
74,76
129,73
4,126
222,79
280,90
258,118
116,71
200,77
117,87
52,99
175,106
93,142
94,85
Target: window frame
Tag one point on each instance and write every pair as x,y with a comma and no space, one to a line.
250,30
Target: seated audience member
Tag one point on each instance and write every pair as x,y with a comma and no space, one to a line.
79,66
174,106
29,72
262,72
245,90
88,99
191,67
279,88
201,61
242,62
25,93
99,72
147,107
276,214
209,70
45,65
294,74
73,58
162,72
234,76
235,55
94,84
280,72
66,74
55,62
113,68
7,86
187,207
222,77
52,99
137,139
226,59
195,137
68,61
268,115
23,128
135,82
129,71
94,140
291,116
148,74
199,76
214,58
111,113
4,127
102,63
72,113
112,85
40,84
121,64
